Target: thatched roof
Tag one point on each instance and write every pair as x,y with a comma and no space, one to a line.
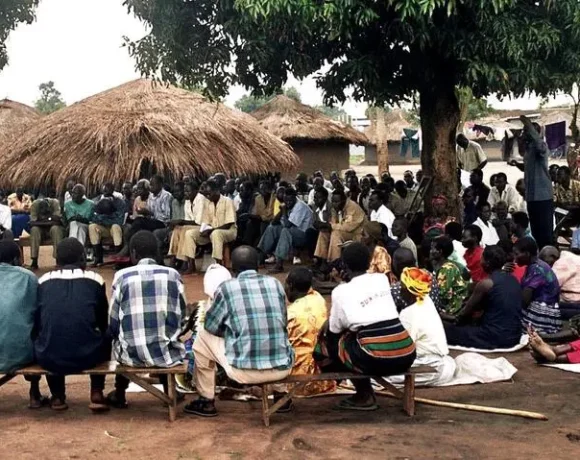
292,121
114,134
395,121
14,118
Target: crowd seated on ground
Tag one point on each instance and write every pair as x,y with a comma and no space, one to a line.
477,280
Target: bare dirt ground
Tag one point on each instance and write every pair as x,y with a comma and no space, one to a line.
314,430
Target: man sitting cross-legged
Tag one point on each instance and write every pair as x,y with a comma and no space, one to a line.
346,224
71,324
18,305
245,333
364,333
287,232
147,308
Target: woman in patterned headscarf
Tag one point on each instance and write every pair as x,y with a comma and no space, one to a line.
435,225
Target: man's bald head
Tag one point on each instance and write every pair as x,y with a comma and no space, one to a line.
245,258
550,255
402,258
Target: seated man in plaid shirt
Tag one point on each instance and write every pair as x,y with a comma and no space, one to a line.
246,332
148,306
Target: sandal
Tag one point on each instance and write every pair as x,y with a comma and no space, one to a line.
38,403
58,404
349,404
98,403
202,407
115,401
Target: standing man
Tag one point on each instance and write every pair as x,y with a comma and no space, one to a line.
78,212
287,231
147,308
45,222
539,192
470,155
245,332
346,224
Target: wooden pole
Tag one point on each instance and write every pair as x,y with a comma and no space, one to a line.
475,408
382,143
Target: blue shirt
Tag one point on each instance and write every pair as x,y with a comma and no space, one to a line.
147,307
301,216
250,314
18,304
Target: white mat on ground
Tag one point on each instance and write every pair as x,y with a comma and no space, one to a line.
565,367
470,368
524,340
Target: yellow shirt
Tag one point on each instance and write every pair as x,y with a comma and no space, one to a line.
306,317
220,214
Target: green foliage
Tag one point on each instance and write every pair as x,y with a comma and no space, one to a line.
248,103
13,12
332,112
385,51
50,99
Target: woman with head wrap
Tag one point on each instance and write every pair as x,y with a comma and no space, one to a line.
435,225
422,322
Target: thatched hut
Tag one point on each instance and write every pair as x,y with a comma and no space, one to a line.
395,122
14,119
319,141
139,128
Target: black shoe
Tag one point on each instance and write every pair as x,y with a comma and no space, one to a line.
115,400
202,407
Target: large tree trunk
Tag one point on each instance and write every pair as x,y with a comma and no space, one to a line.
440,115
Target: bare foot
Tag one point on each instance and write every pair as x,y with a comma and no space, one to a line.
540,347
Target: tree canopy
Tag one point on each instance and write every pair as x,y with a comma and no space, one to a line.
50,99
13,12
380,52
249,103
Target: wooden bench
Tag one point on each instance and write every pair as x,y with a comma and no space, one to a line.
407,394
132,373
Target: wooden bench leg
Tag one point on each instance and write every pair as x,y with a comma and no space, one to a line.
172,396
265,408
6,378
409,398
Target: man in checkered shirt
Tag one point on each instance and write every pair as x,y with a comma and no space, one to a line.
147,309
245,332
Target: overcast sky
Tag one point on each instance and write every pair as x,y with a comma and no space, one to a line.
77,44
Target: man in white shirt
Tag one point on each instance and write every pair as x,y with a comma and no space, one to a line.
379,212
317,184
502,191
5,220
470,155
489,233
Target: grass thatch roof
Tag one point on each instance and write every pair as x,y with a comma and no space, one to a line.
112,135
14,118
292,121
394,122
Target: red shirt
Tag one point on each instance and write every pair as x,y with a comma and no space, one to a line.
519,272
473,259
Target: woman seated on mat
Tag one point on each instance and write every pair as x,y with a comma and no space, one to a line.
541,289
364,333
568,353
497,302
450,276
424,325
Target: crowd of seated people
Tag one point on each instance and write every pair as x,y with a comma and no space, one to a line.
400,297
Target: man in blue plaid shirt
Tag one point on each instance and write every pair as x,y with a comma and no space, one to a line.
147,308
246,332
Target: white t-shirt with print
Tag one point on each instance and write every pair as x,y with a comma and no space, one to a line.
363,301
